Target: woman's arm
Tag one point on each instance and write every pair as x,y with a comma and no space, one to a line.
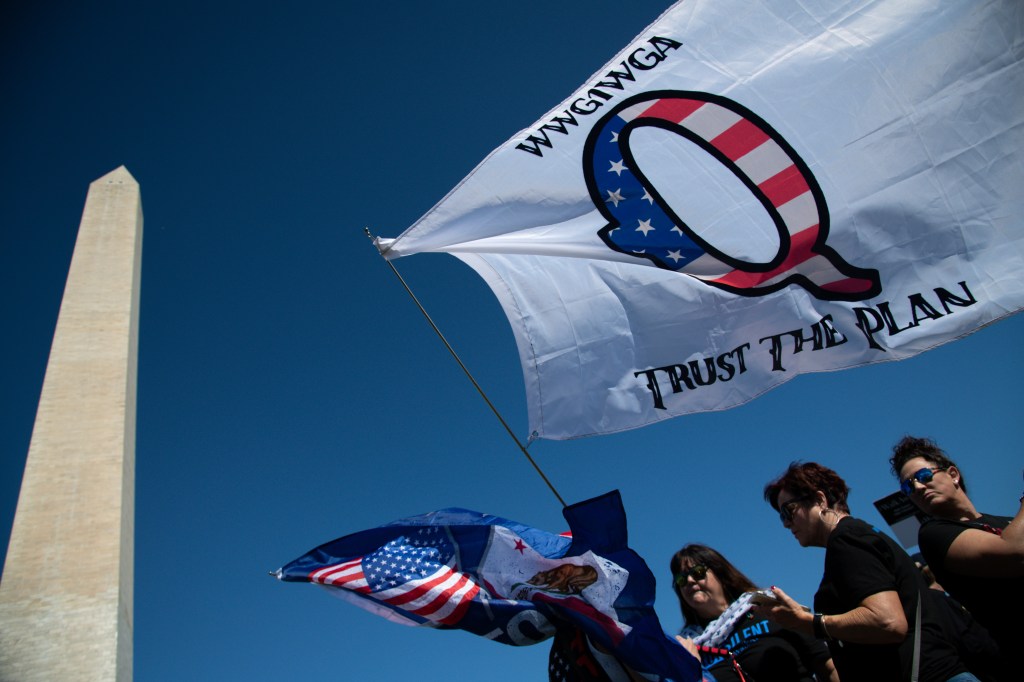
878,619
825,671
981,553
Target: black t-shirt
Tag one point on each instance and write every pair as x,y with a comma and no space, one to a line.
975,646
861,561
996,603
767,653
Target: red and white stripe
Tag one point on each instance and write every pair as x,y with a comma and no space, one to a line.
441,597
768,166
348,574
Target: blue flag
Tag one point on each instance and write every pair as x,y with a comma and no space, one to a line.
517,585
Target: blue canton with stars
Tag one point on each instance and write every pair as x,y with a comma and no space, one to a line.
638,223
408,558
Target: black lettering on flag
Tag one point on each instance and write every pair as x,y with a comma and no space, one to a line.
690,376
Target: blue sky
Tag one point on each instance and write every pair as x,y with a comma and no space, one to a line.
290,392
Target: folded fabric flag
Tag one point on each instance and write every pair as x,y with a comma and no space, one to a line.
506,581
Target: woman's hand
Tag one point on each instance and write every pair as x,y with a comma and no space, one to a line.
689,646
786,612
879,619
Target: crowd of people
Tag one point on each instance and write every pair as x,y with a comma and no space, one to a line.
877,615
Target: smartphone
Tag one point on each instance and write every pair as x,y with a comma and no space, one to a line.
764,597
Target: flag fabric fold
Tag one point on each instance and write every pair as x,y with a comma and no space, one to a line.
513,584
748,191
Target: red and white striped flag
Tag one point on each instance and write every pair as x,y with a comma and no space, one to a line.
414,574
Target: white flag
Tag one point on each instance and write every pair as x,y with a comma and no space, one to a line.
748,191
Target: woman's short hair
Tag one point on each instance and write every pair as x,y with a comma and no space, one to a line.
734,582
910,447
807,478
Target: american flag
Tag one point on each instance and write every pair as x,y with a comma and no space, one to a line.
413,573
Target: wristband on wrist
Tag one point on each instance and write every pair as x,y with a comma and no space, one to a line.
818,626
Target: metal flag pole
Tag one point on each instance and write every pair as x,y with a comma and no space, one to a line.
466,371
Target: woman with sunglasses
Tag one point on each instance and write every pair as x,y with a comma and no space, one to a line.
715,598
977,558
869,599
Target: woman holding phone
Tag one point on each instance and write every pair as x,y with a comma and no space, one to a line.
733,642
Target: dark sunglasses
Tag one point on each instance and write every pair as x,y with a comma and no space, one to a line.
922,476
786,510
698,572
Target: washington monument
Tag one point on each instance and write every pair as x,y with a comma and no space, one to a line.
66,590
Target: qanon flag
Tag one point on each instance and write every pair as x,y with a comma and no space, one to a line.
513,584
748,191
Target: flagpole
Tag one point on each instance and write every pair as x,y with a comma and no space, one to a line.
466,371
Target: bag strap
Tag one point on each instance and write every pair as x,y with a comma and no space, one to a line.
917,641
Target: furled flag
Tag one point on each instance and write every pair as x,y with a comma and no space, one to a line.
514,584
751,190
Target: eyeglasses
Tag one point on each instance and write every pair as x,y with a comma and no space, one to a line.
922,476
786,510
698,572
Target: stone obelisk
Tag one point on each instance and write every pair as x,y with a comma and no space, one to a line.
66,589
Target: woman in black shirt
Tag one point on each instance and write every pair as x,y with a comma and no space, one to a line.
870,593
977,558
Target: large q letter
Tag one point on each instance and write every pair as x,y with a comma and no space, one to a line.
759,157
